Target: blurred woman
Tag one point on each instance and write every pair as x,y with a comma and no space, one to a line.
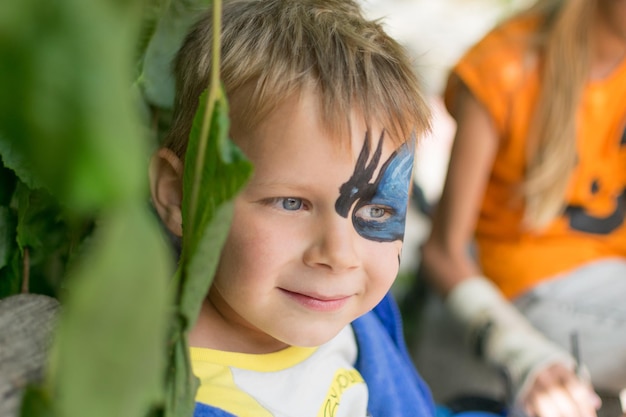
537,180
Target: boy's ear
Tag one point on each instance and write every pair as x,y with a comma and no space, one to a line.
166,187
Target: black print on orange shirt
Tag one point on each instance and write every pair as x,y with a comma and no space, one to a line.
582,221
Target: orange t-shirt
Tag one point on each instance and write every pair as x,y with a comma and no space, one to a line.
499,74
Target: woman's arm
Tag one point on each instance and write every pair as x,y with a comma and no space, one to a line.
445,255
542,374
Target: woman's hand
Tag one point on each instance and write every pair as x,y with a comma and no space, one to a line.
558,392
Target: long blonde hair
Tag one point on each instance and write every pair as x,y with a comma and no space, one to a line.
565,60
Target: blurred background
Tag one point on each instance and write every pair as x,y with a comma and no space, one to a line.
436,33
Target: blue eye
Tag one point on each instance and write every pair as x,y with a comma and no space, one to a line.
373,213
380,211
292,204
377,212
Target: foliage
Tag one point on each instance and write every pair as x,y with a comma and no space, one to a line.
86,92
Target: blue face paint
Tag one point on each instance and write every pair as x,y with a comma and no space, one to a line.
379,211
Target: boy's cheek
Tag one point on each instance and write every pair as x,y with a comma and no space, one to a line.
384,260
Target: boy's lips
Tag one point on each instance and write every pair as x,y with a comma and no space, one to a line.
318,302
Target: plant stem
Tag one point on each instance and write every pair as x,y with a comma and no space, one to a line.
212,96
26,272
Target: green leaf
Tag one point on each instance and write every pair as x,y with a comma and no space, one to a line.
50,236
215,171
156,79
109,352
7,235
181,383
12,157
150,15
67,119
36,402
10,275
8,180
39,219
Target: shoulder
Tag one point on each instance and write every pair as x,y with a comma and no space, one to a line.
501,57
506,45
497,67
385,317
203,410
385,364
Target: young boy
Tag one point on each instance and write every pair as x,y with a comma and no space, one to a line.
298,320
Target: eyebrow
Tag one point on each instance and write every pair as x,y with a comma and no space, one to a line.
283,185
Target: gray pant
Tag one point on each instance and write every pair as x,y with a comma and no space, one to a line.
590,301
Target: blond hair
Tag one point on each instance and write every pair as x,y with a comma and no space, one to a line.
565,59
272,49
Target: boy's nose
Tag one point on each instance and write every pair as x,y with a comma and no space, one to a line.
333,245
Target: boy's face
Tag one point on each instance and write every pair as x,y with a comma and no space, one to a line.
316,234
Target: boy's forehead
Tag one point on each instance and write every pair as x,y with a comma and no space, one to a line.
299,114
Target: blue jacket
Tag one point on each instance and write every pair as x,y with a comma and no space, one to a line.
395,388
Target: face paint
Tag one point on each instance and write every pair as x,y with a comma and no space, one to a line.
380,210
358,184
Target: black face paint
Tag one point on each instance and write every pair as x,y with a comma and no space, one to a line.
379,212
